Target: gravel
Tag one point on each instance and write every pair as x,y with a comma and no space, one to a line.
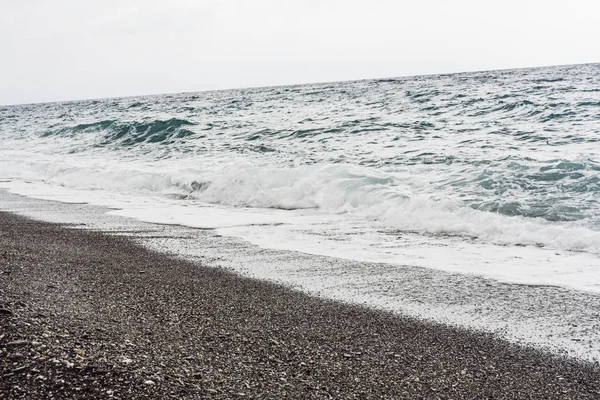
87,315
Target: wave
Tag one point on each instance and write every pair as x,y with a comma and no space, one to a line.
548,80
512,106
366,193
127,133
72,131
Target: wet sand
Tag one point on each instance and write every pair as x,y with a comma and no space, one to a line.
89,315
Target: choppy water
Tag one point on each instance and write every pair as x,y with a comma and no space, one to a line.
490,173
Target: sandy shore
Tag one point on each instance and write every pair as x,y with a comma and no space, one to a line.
88,315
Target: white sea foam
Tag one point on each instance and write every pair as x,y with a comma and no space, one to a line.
382,198
344,236
367,194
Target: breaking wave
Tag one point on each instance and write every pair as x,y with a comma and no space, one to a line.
342,189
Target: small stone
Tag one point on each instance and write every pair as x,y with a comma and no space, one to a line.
17,343
149,382
110,392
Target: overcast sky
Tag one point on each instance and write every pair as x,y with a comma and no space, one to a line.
75,49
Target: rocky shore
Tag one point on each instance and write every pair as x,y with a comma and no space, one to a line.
86,315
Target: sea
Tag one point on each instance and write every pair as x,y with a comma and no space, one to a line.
487,175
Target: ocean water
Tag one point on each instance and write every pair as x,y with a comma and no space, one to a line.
494,174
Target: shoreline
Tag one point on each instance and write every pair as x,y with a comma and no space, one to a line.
553,319
93,315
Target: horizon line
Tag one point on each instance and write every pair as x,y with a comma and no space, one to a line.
296,84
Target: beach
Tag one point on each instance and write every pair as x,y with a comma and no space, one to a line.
91,315
431,236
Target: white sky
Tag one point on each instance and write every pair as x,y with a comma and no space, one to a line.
75,49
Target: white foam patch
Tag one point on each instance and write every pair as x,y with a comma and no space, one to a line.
391,200
349,237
